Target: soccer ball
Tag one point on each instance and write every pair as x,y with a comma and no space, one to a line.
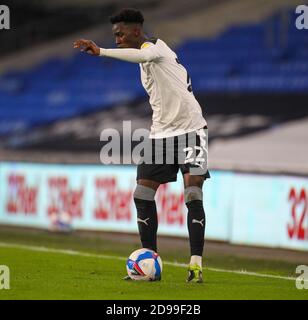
144,264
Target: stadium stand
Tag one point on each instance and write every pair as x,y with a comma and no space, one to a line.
36,22
246,78
238,61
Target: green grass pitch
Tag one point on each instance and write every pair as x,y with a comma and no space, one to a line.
53,266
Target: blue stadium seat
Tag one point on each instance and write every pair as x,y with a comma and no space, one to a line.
243,59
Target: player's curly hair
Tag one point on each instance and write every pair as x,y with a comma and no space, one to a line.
127,15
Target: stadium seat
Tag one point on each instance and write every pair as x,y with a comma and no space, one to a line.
245,59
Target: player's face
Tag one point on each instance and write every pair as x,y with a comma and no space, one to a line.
126,35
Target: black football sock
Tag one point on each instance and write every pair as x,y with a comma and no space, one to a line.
147,223
196,226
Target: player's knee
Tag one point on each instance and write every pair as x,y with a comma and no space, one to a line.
144,193
193,193
193,180
148,183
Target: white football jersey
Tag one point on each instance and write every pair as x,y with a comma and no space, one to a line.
175,108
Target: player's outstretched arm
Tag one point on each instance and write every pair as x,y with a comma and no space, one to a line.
87,46
130,55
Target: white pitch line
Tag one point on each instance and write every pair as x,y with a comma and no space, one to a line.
102,256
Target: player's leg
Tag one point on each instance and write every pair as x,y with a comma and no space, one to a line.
146,212
149,177
195,223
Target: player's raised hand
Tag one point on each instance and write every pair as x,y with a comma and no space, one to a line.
87,46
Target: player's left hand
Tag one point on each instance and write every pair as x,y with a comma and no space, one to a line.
87,46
